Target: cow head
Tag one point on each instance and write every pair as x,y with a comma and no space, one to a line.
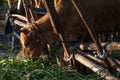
32,40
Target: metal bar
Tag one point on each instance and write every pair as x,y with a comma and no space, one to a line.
39,10
32,14
25,4
9,3
19,6
89,26
56,23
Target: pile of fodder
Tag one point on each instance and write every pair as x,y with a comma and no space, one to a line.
11,69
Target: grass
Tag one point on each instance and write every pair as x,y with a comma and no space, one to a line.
11,69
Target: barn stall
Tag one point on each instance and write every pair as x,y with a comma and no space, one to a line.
98,60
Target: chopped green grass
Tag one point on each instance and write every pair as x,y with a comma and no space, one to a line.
11,69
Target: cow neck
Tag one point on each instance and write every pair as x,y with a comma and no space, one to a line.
45,27
44,22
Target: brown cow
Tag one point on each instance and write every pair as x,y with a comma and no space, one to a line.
104,15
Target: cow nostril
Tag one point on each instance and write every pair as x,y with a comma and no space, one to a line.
26,43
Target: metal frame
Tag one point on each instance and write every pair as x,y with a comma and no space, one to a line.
56,23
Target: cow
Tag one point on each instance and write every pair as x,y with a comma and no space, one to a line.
103,14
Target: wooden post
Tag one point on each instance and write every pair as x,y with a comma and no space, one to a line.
88,26
55,2
96,60
56,24
9,3
104,73
113,46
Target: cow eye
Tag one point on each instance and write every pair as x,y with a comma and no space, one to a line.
23,30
